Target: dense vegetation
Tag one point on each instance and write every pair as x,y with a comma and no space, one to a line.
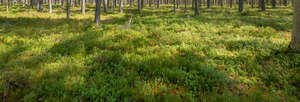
153,55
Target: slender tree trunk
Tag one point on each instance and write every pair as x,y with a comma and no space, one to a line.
208,3
97,12
104,6
120,6
50,6
62,4
295,43
285,2
31,4
2,2
130,3
107,3
111,5
68,9
142,4
274,3
41,5
139,5
82,6
115,3
185,4
174,6
196,7
158,3
262,5
241,5
7,5
230,3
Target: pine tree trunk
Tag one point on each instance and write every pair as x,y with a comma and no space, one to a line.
295,43
97,12
68,9
139,5
50,6
262,5
174,6
82,6
208,3
196,7
241,5
120,6
104,6
158,3
230,3
274,3
41,5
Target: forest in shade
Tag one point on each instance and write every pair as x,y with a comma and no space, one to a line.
149,50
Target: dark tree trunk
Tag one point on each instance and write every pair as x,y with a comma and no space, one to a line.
208,3
274,3
107,3
2,2
285,2
230,2
142,3
158,4
295,42
241,5
262,5
97,12
139,5
185,3
104,6
196,7
82,6
68,9
174,6
31,4
115,3
120,6
252,3
41,5
62,4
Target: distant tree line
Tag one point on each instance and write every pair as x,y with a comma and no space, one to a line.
140,4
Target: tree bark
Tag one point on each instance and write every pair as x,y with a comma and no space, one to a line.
274,3
174,6
208,3
50,6
97,12
241,5
196,7
139,5
158,3
104,6
120,6
230,1
68,9
41,5
262,5
295,43
82,6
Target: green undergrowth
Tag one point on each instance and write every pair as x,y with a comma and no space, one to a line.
154,55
